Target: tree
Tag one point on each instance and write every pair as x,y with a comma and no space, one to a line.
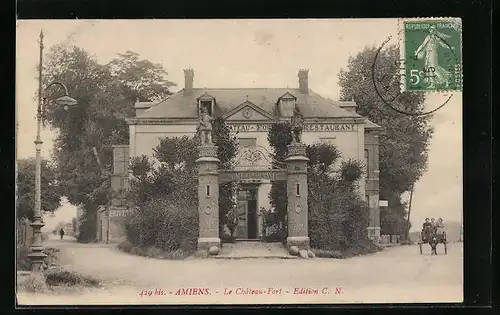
106,95
164,192
74,224
50,192
404,140
279,137
164,189
227,146
338,217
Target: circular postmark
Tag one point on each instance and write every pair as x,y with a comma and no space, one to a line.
410,69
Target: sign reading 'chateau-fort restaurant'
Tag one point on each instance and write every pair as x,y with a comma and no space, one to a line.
307,127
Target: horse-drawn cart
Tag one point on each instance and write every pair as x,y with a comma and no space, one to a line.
433,238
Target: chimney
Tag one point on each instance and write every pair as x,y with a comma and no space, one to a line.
141,107
349,106
303,81
188,81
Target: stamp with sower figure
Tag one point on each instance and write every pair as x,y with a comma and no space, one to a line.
431,50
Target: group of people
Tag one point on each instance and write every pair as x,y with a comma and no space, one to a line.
433,227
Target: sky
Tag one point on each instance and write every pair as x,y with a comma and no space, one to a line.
244,53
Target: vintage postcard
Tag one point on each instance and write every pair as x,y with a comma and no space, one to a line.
212,162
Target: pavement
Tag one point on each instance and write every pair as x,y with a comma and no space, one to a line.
394,275
253,249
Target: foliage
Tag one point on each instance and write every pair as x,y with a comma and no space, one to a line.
321,253
22,260
279,137
231,220
171,170
226,142
59,276
393,220
321,157
165,224
272,226
164,190
106,94
338,217
34,283
152,252
404,139
74,224
50,192
351,170
227,146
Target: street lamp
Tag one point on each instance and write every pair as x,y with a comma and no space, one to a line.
37,256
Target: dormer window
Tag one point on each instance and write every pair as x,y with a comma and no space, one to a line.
207,105
206,101
286,104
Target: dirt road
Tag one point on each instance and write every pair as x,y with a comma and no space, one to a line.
395,275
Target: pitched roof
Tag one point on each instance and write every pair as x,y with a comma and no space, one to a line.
371,125
178,105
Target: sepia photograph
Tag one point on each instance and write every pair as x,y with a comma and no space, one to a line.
239,161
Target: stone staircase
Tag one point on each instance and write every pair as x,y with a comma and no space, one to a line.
253,249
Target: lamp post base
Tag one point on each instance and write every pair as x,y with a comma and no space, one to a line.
37,256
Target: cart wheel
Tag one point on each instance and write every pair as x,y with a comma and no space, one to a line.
420,245
445,248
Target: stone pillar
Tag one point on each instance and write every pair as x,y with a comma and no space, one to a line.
208,199
297,197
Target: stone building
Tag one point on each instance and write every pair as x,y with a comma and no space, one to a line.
250,112
111,218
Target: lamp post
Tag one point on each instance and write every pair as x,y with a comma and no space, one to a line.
37,256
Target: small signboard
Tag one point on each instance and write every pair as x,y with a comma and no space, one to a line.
231,175
118,213
383,203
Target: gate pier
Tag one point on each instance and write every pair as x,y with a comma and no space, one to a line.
208,196
297,197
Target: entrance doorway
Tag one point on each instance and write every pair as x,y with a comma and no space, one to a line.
248,213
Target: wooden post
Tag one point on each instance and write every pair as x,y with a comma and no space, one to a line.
409,212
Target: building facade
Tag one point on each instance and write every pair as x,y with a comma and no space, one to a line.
250,112
111,218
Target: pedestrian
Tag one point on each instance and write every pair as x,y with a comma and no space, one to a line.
426,230
61,232
426,224
433,224
440,226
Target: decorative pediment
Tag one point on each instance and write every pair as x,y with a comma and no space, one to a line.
248,111
205,97
287,96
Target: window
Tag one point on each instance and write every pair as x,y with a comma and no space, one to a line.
367,162
208,105
248,142
124,183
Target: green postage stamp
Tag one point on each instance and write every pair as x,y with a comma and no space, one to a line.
431,53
